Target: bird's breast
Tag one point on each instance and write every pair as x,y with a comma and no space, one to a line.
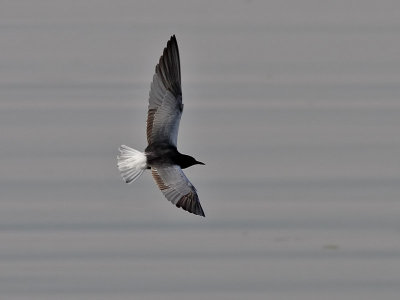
161,154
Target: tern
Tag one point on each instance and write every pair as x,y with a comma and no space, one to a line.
161,155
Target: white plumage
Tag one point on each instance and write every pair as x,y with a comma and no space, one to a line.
131,163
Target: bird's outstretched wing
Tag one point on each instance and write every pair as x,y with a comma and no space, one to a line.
177,188
165,98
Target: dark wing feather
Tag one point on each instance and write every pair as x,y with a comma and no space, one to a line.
177,188
165,98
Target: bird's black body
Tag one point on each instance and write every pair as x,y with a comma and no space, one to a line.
161,154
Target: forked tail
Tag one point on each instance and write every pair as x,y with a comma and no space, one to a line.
131,163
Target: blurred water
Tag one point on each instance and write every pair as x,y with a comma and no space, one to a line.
293,105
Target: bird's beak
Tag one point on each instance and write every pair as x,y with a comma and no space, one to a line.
199,163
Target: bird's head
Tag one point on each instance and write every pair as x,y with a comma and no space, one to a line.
186,161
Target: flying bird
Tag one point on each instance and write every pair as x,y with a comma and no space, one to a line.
161,155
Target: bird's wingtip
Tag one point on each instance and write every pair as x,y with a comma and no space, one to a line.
191,204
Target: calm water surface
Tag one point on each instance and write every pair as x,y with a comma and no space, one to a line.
294,107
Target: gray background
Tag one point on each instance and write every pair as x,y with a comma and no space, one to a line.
293,105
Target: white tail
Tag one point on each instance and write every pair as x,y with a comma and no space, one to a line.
131,163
